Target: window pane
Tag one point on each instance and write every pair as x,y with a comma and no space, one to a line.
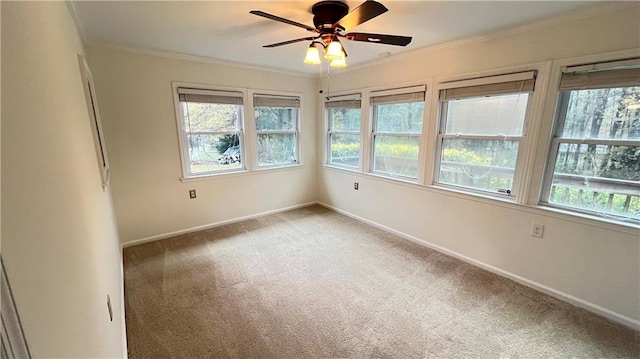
276,118
213,153
344,119
210,117
396,155
400,117
276,148
612,113
345,150
599,178
496,115
481,164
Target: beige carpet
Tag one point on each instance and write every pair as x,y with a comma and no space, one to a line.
311,283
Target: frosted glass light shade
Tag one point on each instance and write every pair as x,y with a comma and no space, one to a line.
313,56
334,51
342,62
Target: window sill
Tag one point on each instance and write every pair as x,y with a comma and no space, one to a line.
506,201
240,173
341,168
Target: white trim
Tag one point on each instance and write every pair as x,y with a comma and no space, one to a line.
398,91
354,96
158,237
93,112
195,91
75,15
568,298
195,58
502,201
251,132
239,173
602,66
494,79
125,349
544,162
13,336
575,15
183,148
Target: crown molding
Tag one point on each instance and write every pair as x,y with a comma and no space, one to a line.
193,58
75,15
587,12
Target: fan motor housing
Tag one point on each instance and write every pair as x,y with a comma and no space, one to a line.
327,13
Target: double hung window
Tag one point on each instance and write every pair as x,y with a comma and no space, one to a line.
211,131
594,165
397,118
344,117
482,125
277,119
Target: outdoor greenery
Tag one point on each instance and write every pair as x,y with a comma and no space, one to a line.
602,114
274,145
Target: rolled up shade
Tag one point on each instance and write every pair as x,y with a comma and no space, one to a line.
490,86
400,95
207,96
276,101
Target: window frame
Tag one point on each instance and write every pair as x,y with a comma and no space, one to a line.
91,99
560,101
355,96
373,130
254,132
523,140
183,135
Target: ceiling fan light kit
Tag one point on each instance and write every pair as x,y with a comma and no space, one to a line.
313,55
334,50
332,19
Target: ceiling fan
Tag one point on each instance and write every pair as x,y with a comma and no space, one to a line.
332,20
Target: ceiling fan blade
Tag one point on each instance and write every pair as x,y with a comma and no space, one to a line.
290,41
277,18
379,38
365,12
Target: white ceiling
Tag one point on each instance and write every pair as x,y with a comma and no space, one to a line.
225,30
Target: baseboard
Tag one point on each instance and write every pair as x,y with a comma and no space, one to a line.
136,242
568,298
125,348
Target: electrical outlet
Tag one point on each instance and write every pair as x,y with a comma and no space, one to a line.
192,193
355,185
537,230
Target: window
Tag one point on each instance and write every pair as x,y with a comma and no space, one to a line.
211,131
594,165
277,119
344,117
481,127
397,117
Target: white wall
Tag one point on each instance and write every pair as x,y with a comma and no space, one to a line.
139,121
60,244
599,265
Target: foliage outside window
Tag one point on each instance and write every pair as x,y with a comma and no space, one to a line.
344,117
211,131
595,160
277,119
397,128
481,127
